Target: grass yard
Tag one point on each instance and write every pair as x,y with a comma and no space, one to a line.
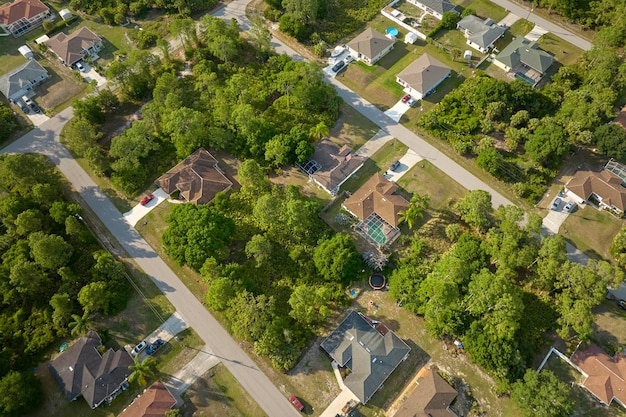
389,152
352,128
521,28
609,331
484,8
564,52
591,231
218,394
9,56
293,176
426,179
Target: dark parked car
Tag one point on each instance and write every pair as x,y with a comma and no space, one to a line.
35,108
296,402
394,166
622,304
338,66
154,346
146,199
22,106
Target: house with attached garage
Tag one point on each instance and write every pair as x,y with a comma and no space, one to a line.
604,189
431,397
370,46
481,34
155,401
20,81
524,60
76,46
435,7
22,16
370,349
422,76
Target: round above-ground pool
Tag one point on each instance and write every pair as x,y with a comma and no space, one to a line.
392,31
377,281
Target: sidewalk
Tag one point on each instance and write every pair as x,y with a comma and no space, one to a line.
370,147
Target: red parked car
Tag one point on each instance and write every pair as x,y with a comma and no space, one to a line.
146,199
406,98
296,402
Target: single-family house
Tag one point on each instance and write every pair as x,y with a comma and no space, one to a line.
75,46
22,80
330,166
369,349
604,189
378,207
198,178
435,7
370,46
605,376
481,34
431,398
81,370
524,60
22,16
154,402
423,75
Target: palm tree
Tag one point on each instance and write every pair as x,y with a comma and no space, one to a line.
142,370
418,204
319,131
80,325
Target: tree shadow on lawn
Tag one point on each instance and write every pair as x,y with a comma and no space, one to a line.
399,50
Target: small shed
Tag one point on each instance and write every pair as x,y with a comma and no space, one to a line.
41,40
410,38
25,51
467,54
65,14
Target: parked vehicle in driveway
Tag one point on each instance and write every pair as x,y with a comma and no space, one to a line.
406,98
296,403
569,207
80,67
621,304
394,166
348,59
141,346
27,101
556,204
154,346
22,107
338,66
35,108
146,199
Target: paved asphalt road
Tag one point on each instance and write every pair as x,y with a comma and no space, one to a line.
44,140
546,24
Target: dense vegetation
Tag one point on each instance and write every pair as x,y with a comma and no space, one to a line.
116,11
240,99
500,287
52,271
8,122
272,266
521,135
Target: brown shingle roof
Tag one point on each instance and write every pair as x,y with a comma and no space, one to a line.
431,398
154,402
604,184
70,47
336,164
370,43
377,195
606,375
12,12
620,119
197,178
424,73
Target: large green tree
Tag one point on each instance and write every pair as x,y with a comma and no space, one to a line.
21,392
542,394
337,259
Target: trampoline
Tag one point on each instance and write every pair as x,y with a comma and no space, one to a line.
392,31
377,281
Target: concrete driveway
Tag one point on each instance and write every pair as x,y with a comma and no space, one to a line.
395,113
536,33
407,162
138,212
188,374
377,141
509,19
166,331
555,218
38,118
91,74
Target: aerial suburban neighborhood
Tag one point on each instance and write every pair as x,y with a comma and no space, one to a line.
337,209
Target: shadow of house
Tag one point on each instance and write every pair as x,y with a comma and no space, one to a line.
154,402
369,349
605,376
22,16
197,177
431,398
331,166
75,46
81,370
22,80
378,208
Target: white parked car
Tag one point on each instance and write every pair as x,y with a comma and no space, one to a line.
80,67
348,59
141,346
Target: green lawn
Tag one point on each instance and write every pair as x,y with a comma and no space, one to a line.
483,8
564,52
426,179
352,128
9,56
521,28
591,231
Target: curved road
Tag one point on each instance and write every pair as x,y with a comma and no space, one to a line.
44,140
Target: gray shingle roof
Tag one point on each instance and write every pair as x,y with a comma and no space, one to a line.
424,73
370,43
23,75
528,53
80,370
440,6
482,32
369,349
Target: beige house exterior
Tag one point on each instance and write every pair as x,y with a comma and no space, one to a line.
423,75
370,46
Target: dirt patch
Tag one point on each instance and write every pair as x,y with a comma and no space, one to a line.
60,88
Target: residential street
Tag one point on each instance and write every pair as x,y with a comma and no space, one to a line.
44,140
